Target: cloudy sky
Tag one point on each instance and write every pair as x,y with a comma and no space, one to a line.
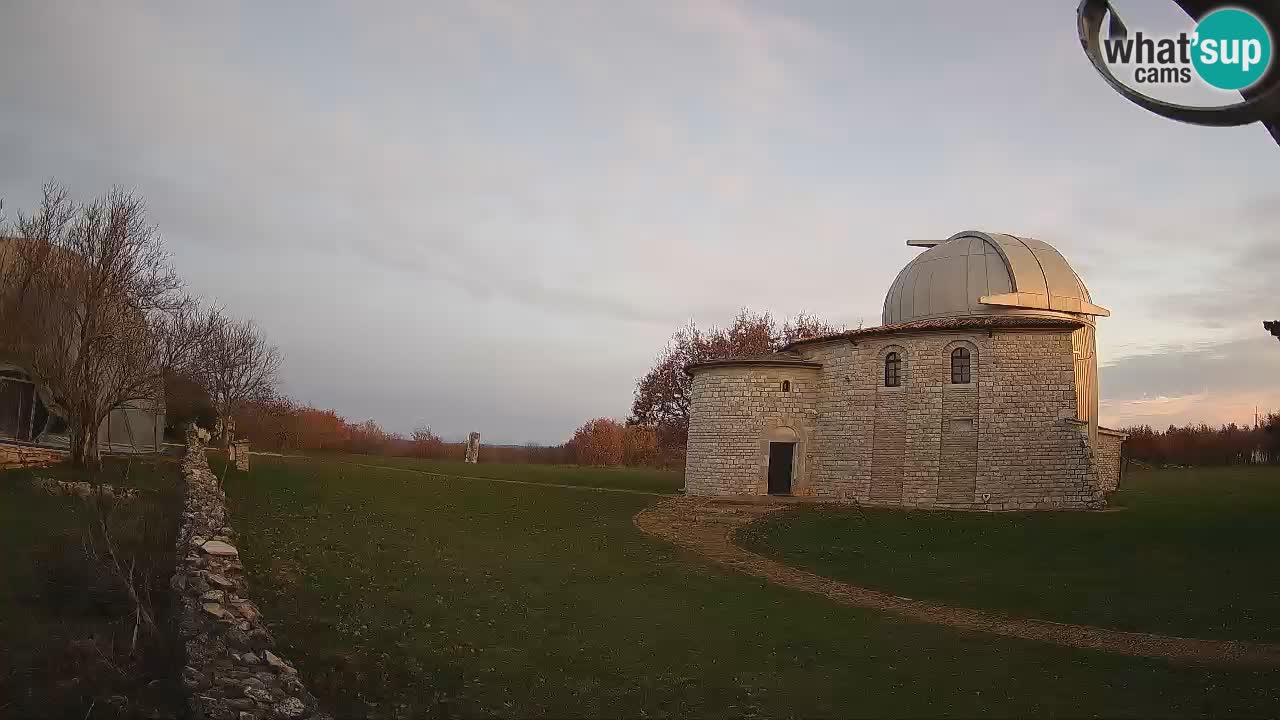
490,214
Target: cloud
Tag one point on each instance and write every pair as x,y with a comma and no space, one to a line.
1237,283
1214,383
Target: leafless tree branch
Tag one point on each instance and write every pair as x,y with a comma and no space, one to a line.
235,365
92,309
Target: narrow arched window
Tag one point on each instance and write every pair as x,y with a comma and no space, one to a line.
786,386
892,370
960,366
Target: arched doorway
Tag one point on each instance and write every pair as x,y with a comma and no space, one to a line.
782,460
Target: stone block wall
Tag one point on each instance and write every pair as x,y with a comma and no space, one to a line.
738,408
231,672
1108,453
23,456
239,455
916,444
1033,455
999,442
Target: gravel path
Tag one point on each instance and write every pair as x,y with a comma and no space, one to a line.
706,526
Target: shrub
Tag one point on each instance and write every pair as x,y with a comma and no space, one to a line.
600,442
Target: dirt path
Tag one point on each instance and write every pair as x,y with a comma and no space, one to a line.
706,526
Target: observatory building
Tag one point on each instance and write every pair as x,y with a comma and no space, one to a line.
979,391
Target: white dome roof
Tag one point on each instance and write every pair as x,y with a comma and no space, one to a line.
978,273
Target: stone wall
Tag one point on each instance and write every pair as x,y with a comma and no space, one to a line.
997,443
741,408
1108,452
83,489
14,455
1033,455
238,453
230,672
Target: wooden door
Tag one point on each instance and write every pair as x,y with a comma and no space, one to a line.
781,455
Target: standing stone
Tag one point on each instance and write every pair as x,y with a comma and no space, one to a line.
240,455
473,447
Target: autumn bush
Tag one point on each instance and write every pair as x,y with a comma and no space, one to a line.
283,426
639,446
280,424
426,444
600,442
605,441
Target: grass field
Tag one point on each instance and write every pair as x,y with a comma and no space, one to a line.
65,623
394,592
644,479
1190,552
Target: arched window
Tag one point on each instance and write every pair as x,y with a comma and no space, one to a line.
892,370
960,364
786,386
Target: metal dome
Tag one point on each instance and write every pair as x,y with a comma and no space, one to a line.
978,273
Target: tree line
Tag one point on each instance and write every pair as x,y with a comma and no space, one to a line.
1201,444
654,435
278,424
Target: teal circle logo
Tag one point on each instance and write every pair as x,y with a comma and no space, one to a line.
1232,49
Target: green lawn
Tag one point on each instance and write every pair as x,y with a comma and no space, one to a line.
65,624
147,472
1190,552
645,479
522,600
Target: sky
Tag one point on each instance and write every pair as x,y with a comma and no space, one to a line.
491,215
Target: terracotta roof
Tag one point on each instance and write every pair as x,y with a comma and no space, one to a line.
777,359
986,322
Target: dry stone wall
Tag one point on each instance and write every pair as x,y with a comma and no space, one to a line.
1005,441
79,489
231,672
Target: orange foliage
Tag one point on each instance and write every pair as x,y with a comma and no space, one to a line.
280,425
639,445
315,429
600,442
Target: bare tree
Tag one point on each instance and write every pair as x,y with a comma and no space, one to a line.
236,366
92,309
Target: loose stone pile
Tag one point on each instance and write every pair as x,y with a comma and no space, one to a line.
82,489
230,672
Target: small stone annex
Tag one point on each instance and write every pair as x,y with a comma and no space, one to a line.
979,391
